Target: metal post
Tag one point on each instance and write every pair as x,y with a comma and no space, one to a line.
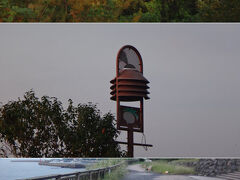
141,115
90,175
99,174
130,142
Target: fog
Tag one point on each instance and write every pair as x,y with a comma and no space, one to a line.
193,69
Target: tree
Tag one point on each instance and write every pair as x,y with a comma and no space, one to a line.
119,10
35,127
219,10
16,11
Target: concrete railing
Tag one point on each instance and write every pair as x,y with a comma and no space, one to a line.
84,175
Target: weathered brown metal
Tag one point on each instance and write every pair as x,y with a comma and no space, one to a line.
135,144
140,85
126,97
130,142
113,81
129,85
129,74
130,89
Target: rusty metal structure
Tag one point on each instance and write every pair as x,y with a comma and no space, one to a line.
129,85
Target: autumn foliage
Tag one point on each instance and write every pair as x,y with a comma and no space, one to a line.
119,10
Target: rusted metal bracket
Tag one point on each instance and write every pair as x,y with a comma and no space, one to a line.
135,144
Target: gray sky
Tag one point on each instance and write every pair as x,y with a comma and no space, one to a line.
193,71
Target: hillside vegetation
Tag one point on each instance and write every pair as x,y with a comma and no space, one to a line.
119,11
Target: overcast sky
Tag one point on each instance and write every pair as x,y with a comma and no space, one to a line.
193,71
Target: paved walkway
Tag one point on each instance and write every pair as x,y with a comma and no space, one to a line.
135,172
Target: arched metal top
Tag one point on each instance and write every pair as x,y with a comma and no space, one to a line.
128,57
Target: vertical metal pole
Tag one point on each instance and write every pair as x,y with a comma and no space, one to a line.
141,115
118,105
117,98
130,142
91,178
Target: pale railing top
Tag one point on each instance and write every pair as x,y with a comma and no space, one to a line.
56,176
